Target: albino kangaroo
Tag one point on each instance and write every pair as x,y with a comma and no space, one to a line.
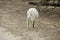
32,14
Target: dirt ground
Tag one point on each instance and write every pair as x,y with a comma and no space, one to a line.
13,24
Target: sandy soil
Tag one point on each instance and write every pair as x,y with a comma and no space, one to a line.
13,24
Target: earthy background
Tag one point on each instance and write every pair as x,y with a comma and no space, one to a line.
13,24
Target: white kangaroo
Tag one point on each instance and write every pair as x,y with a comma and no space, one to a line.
32,14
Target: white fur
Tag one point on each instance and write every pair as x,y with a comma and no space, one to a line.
32,14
